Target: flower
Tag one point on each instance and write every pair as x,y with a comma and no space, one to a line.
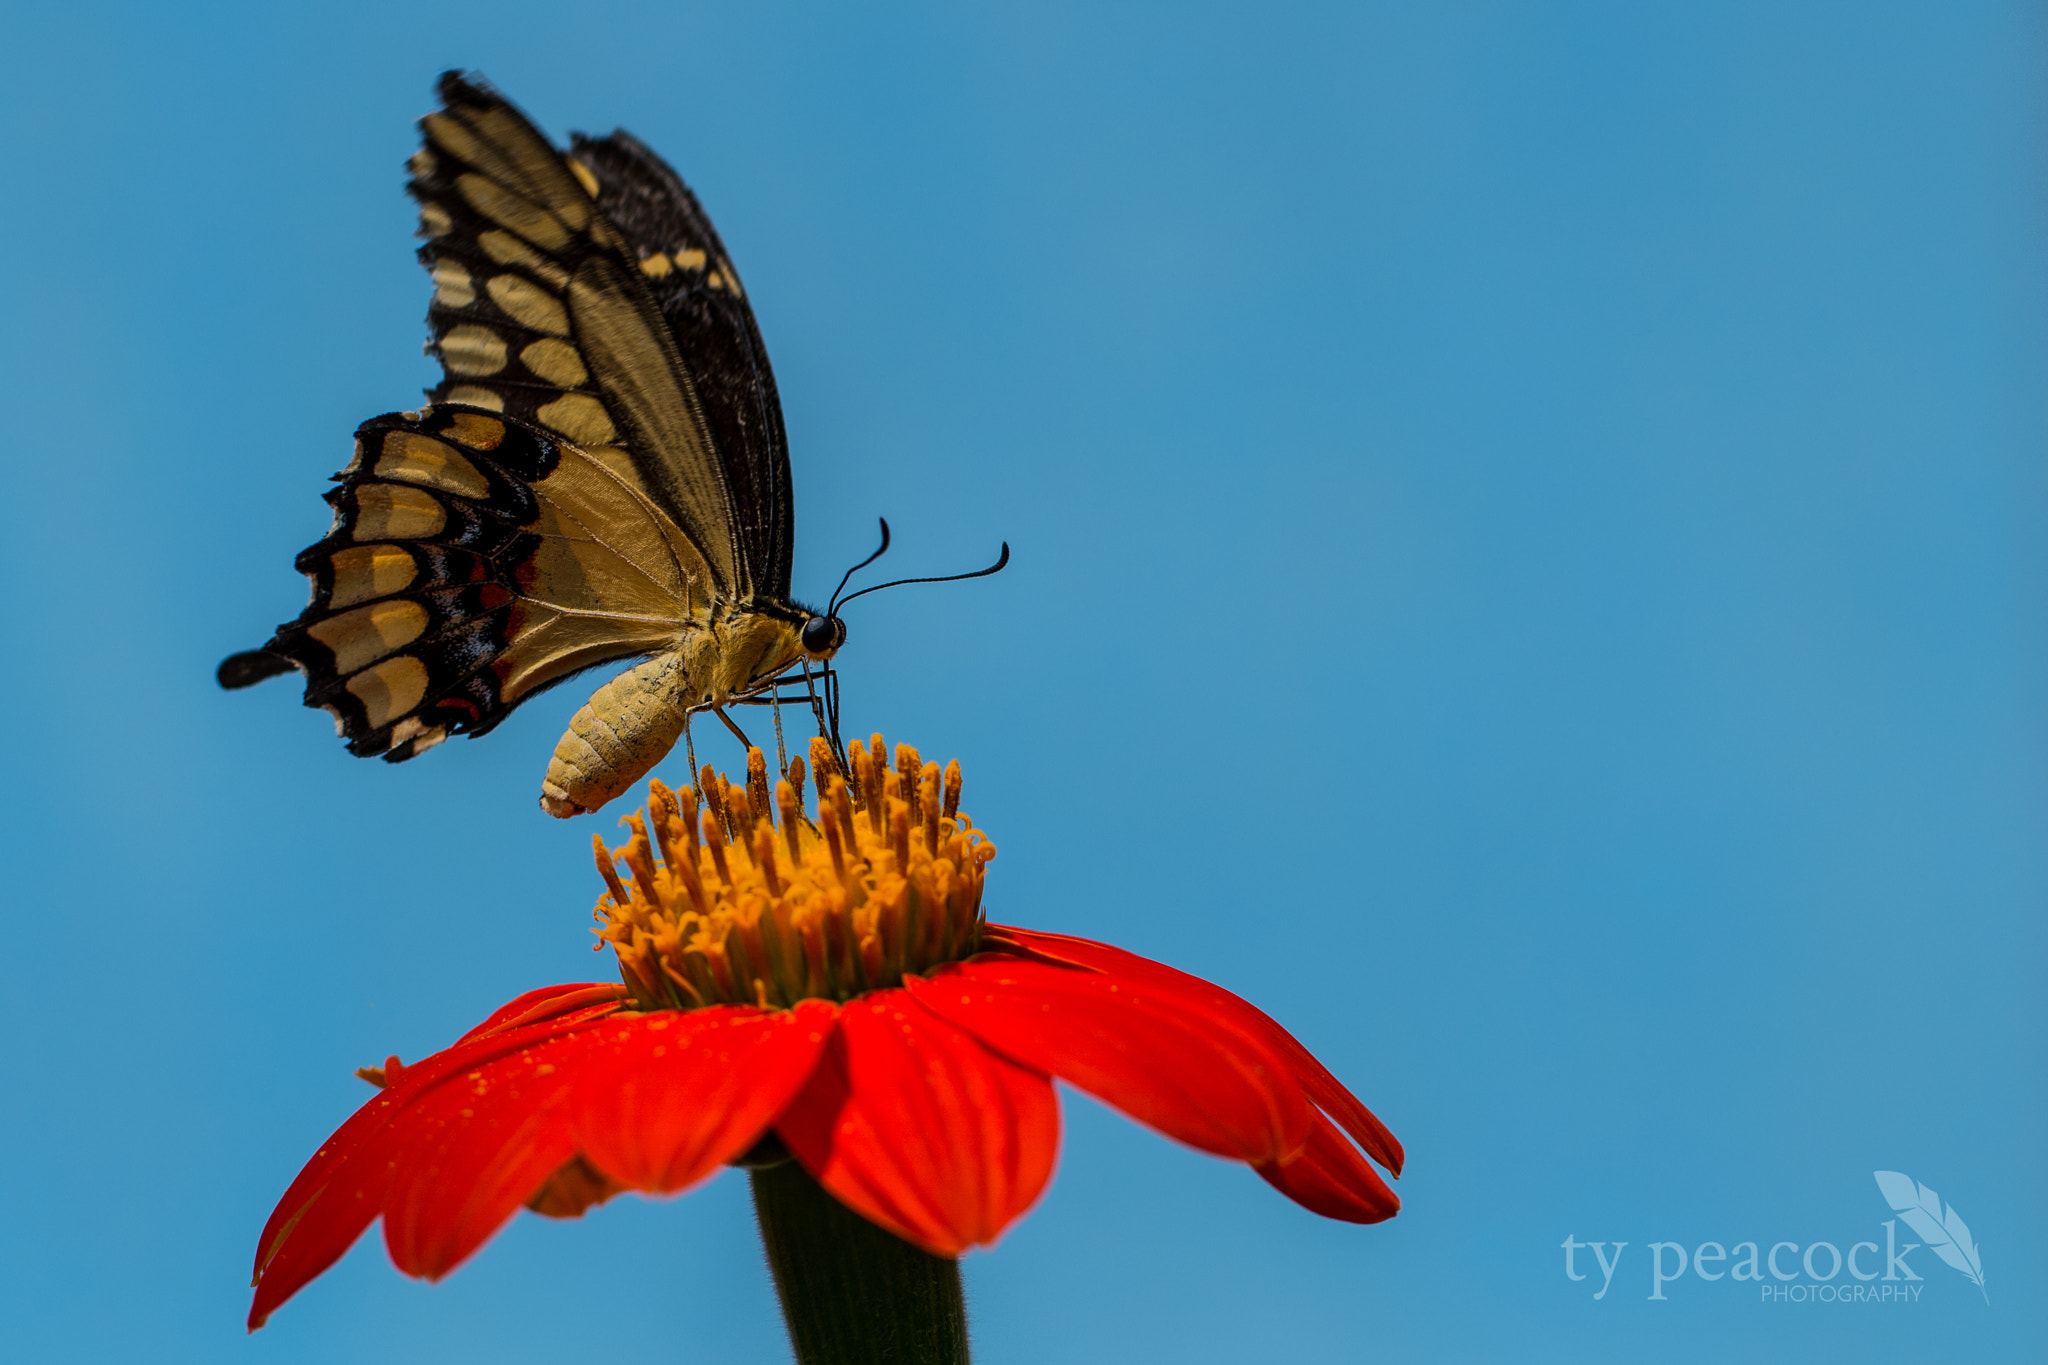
830,982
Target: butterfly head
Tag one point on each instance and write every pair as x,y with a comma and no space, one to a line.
822,636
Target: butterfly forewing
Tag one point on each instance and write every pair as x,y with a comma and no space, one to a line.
540,312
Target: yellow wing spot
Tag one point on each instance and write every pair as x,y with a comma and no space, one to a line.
513,211
421,163
413,728
692,259
505,249
657,265
391,511
452,286
534,168
476,396
477,431
434,221
579,417
414,458
367,634
390,689
715,280
444,128
732,277
363,572
583,176
528,304
556,362
474,350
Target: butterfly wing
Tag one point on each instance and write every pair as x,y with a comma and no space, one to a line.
541,311
473,560
605,457
693,283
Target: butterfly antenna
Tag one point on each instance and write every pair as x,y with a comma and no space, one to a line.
996,567
880,550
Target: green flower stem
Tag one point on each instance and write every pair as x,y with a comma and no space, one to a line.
851,1293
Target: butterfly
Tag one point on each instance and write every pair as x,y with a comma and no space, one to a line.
601,474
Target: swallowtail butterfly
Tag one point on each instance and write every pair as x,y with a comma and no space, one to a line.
601,475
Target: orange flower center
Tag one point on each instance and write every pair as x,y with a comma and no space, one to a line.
736,896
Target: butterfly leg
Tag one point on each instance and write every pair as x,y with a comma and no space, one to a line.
830,733
739,734
690,749
821,694
827,712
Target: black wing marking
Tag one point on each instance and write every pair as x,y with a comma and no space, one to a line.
413,583
541,312
693,282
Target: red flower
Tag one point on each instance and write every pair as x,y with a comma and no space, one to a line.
900,1047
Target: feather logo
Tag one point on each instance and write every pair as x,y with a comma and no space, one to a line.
1939,1226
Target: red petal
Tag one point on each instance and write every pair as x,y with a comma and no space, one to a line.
920,1129
408,1084
470,1151
664,1100
549,1002
1322,1087
1132,1045
1331,1178
655,1101
319,1227
344,1186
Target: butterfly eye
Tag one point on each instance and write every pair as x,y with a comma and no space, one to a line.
823,634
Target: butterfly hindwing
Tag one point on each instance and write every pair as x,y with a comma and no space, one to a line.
472,561
540,312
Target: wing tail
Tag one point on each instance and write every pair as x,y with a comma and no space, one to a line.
250,667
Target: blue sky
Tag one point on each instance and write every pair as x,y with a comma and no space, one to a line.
1573,471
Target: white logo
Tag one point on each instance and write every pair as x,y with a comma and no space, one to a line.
1943,1231
1820,1272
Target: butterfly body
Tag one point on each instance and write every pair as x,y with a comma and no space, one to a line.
631,722
601,476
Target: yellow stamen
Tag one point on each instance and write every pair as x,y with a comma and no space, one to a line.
789,801
757,783
831,908
764,858
908,766
928,807
712,786
796,780
952,806
714,839
604,867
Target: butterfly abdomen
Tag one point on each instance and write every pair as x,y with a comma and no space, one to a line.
618,735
